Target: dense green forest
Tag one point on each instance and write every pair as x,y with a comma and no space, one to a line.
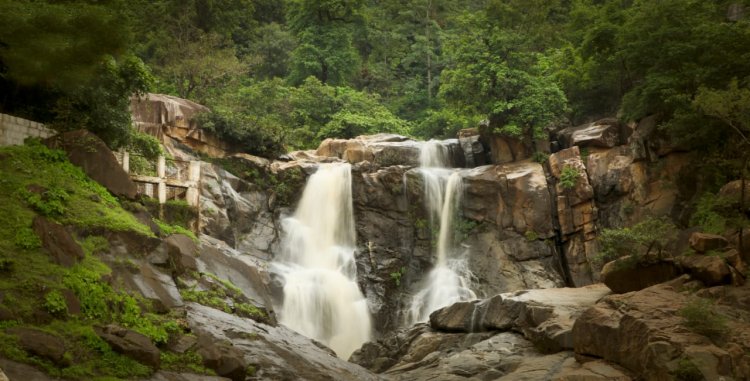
284,75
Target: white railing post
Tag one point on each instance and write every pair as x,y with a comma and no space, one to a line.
126,161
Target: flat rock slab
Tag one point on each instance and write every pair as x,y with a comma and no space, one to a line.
544,316
277,353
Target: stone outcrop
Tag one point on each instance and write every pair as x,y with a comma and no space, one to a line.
605,133
87,151
543,316
576,214
41,344
172,120
424,353
627,274
57,240
644,332
130,343
384,150
704,243
276,353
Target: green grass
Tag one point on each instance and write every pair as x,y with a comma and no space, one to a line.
34,181
167,230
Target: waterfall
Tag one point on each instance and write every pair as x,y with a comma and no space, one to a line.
321,297
448,281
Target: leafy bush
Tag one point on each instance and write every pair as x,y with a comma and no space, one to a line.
701,317
540,157
55,304
716,214
569,177
27,239
651,235
687,371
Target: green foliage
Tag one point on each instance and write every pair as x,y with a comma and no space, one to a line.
167,229
700,316
540,157
716,214
55,303
531,236
224,296
6,265
396,276
687,371
569,177
50,202
463,227
189,361
27,239
651,235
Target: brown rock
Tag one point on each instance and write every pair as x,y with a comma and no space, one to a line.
624,275
42,344
703,242
225,360
130,343
87,151
59,243
455,318
182,251
709,269
644,332
602,133
511,196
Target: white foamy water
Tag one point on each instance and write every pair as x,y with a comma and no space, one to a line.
448,282
321,297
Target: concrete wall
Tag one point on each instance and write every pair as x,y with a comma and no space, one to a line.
14,130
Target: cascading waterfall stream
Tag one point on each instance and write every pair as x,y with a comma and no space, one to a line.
448,282
321,297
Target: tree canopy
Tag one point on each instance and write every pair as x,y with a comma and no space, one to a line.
285,74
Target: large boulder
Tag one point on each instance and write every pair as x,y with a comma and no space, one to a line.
130,343
629,274
87,151
419,353
41,344
644,332
223,359
385,150
606,133
709,269
576,214
59,243
510,196
543,316
703,242
277,353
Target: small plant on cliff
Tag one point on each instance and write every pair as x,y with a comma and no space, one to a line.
569,177
540,157
700,316
396,276
650,236
687,371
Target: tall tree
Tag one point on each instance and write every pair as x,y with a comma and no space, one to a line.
324,32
